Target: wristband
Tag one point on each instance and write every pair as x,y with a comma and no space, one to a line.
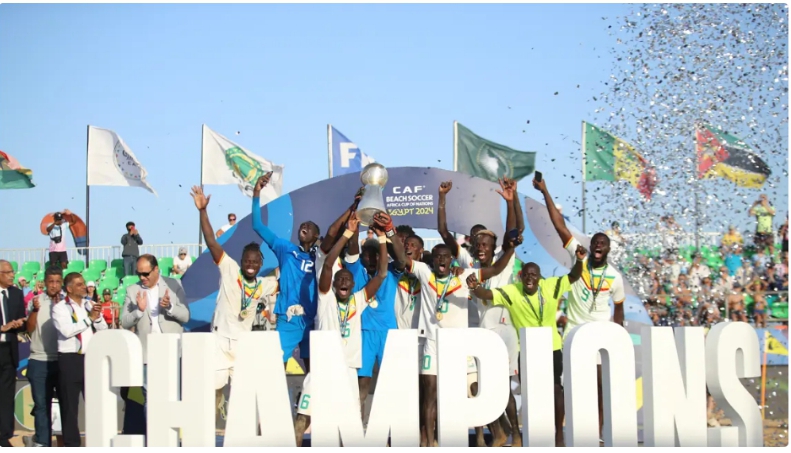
390,233
382,240
348,234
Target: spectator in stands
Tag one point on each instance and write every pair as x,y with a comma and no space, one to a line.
37,289
761,261
181,263
23,285
131,242
697,272
42,366
745,274
783,233
759,309
227,226
110,310
156,304
724,284
764,232
617,243
731,238
670,231
670,270
57,241
92,296
735,302
733,259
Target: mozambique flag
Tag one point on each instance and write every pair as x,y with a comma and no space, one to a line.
723,155
608,158
13,175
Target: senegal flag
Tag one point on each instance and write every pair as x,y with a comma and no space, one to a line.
608,158
13,175
723,155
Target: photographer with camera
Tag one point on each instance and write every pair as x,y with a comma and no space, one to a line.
57,241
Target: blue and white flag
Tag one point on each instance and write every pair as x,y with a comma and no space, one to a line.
345,156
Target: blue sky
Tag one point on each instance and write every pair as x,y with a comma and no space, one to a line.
393,78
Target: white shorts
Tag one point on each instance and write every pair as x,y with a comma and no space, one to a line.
428,359
304,401
224,360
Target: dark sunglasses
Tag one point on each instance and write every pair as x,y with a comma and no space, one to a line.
232,220
145,274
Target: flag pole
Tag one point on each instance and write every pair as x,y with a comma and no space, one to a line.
200,231
763,373
582,149
87,194
695,164
329,148
455,146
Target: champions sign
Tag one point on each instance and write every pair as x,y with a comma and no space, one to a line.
677,365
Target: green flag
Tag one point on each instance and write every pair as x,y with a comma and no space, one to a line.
489,160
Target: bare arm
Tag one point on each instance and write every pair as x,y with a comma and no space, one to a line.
499,265
325,280
201,202
482,293
554,214
32,317
576,270
384,224
332,231
618,314
373,284
442,223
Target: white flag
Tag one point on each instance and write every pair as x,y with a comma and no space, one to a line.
112,163
225,162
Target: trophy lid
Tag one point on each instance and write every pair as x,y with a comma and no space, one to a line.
374,174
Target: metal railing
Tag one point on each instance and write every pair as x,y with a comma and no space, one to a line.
651,240
107,252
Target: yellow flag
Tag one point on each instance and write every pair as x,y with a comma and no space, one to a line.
773,345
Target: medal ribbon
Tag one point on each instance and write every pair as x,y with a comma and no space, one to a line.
74,320
345,319
444,290
247,300
540,314
601,281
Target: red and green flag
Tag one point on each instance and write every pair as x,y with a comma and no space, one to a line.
722,155
608,158
13,175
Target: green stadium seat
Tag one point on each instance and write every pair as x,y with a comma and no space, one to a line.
14,265
33,266
165,261
109,282
112,272
120,292
194,259
780,310
118,262
165,270
130,280
100,265
91,275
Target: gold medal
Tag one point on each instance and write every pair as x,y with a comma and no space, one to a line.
439,316
243,314
374,304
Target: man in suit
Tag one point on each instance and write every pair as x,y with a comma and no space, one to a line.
12,322
156,304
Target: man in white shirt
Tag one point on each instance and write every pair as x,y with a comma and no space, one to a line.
241,292
76,320
42,366
481,254
227,226
589,298
182,262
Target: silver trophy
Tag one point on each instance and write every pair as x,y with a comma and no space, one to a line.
374,178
